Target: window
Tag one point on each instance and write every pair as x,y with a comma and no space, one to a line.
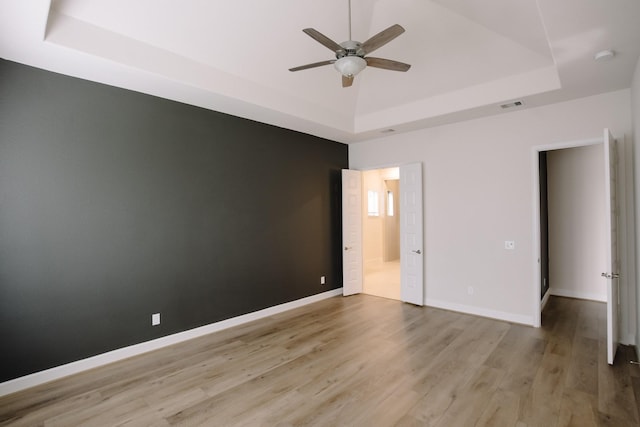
389,203
373,207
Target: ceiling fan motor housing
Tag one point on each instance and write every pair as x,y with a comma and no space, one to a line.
350,48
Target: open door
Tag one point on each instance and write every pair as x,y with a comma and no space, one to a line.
611,219
411,250
351,232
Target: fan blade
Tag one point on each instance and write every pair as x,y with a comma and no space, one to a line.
323,40
315,64
347,81
387,64
382,38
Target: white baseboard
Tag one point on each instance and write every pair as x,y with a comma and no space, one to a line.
570,293
483,312
545,299
47,375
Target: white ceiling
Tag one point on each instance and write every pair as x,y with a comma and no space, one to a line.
467,56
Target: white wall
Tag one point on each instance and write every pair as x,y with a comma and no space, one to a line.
371,225
577,228
478,192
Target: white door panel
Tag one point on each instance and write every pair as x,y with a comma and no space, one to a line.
411,250
612,263
351,232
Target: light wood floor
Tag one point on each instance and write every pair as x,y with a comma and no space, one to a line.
363,361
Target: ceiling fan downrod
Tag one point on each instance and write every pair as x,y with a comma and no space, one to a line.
349,20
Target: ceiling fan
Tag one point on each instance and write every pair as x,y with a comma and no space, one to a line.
351,55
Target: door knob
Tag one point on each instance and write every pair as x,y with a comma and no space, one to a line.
346,248
417,252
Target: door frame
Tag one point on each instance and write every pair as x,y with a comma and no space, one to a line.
538,303
399,165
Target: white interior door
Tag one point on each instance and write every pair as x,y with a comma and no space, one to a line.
411,250
351,232
612,263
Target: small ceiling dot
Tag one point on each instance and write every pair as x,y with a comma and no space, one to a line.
604,55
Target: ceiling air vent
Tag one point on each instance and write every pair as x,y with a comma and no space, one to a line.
512,104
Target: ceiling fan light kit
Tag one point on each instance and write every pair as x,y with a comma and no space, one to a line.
350,55
350,66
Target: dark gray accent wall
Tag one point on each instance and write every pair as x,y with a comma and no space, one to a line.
115,205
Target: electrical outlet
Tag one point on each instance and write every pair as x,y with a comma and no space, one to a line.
509,244
322,280
470,290
155,319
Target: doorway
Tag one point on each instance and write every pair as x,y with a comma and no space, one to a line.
381,233
541,221
581,217
576,222
355,201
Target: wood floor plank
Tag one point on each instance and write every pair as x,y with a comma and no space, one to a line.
111,411
359,361
578,409
522,366
616,398
502,410
38,415
389,411
587,322
507,349
583,370
467,408
435,403
541,406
